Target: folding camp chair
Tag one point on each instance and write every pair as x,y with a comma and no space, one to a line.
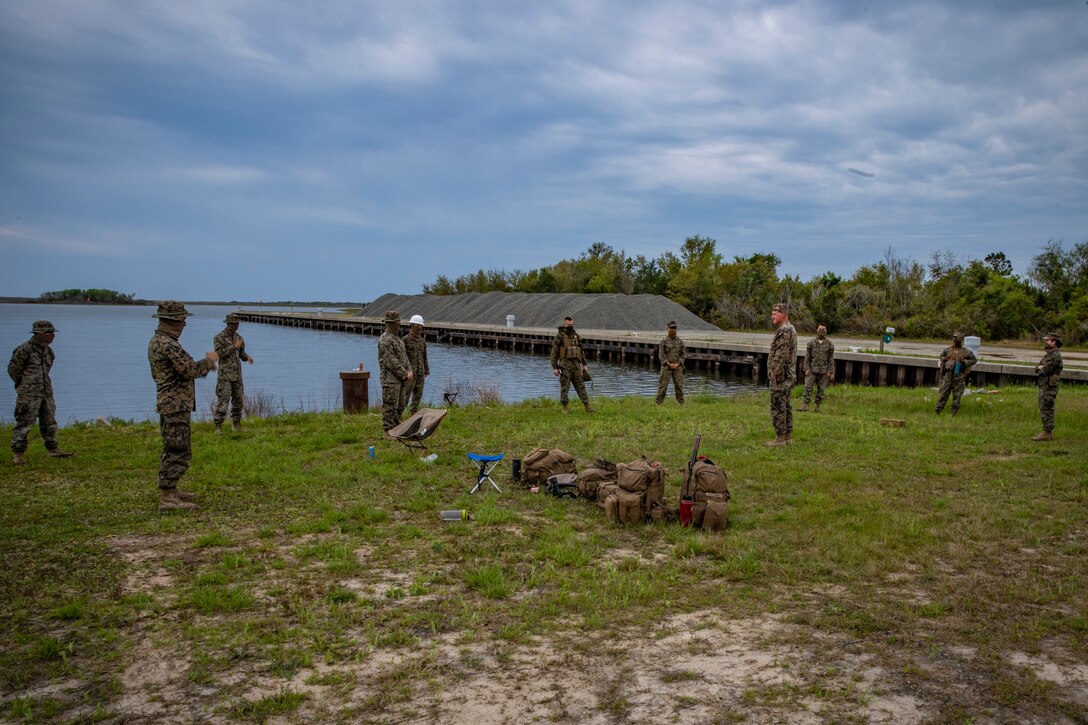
418,428
484,466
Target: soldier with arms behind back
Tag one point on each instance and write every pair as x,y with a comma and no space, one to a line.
1049,371
819,366
29,369
395,371
229,391
174,372
416,347
782,374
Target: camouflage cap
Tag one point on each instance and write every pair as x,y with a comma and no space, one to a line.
43,326
171,310
231,317
672,324
1055,337
781,307
392,316
957,335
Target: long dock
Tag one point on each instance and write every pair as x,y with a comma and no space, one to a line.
704,351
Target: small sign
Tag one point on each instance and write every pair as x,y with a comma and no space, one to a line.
887,338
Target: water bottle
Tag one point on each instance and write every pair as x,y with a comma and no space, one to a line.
454,515
370,451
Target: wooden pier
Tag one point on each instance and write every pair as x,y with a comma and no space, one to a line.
738,358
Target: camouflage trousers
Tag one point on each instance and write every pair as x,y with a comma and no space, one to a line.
392,398
676,375
954,385
1047,395
818,381
781,410
411,393
177,448
232,393
570,371
29,410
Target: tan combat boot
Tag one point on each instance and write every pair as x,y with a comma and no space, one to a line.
18,459
804,408
1044,436
236,427
816,409
58,453
565,408
588,409
169,500
219,429
780,440
185,495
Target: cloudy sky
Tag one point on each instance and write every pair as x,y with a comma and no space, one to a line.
237,149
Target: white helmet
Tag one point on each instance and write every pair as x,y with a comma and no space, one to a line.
416,320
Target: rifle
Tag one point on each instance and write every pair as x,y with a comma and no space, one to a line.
694,456
563,485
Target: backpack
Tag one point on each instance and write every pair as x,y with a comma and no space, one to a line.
643,482
541,463
708,487
591,478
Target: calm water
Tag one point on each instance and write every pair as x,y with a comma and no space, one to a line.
101,367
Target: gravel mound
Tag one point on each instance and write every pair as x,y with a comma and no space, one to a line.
590,312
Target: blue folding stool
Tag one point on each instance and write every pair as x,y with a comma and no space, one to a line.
485,465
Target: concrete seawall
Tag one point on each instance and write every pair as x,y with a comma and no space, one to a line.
740,353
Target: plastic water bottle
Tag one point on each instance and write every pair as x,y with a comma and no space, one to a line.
430,459
370,451
454,515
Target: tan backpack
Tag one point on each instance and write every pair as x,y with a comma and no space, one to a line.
708,487
541,463
645,481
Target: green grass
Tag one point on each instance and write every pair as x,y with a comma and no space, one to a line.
305,552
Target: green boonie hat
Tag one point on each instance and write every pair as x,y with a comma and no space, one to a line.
392,316
231,317
171,310
42,326
1048,336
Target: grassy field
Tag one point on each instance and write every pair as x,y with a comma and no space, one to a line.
934,572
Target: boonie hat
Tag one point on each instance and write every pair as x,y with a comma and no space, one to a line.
416,320
1048,336
231,317
171,310
43,326
392,316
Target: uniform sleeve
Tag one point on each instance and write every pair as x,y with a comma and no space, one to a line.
662,353
184,364
969,358
17,365
683,354
808,356
426,365
555,352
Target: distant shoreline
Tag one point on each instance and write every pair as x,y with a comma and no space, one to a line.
146,303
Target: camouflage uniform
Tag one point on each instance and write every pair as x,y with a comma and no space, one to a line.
1049,370
29,370
569,358
416,348
953,382
671,350
782,374
394,368
819,361
174,372
229,390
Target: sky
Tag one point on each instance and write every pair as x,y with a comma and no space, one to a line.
339,150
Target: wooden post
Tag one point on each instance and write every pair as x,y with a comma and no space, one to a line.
356,386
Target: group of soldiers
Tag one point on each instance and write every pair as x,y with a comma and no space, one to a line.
403,369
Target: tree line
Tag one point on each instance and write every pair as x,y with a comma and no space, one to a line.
99,296
979,297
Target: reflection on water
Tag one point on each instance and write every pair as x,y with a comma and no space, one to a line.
101,367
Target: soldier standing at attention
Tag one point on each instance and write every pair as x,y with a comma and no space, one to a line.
1049,371
956,362
819,366
395,371
231,349
781,374
569,363
671,354
416,347
174,372
29,370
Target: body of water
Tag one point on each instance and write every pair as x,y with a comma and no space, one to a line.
102,370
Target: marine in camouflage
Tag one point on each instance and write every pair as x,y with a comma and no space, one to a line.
782,374
671,354
415,346
956,362
1049,372
29,369
394,368
174,372
229,387
819,366
568,360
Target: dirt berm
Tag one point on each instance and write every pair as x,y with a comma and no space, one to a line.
590,312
